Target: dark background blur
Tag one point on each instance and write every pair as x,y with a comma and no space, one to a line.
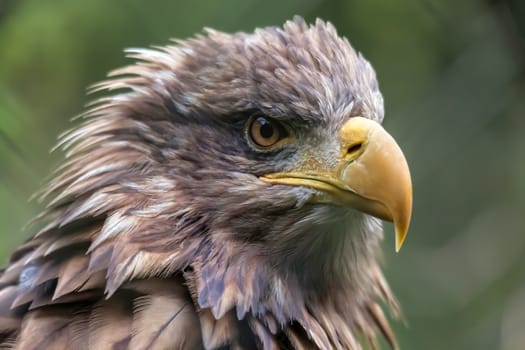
453,77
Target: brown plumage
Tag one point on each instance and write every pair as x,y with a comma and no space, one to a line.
163,228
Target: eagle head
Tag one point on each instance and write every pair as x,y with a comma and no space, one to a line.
252,170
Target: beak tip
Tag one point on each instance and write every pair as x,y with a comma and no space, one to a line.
400,238
398,247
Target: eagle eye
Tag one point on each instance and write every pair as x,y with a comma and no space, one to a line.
265,132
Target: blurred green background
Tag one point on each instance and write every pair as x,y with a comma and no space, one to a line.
453,77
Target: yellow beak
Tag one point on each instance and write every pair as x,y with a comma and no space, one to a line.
372,176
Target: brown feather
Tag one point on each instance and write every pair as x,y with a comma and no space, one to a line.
46,328
110,323
165,318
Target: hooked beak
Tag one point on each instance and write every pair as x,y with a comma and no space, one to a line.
372,176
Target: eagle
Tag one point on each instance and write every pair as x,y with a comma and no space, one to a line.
221,192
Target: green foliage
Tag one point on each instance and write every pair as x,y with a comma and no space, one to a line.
452,76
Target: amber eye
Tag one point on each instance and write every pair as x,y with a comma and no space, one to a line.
265,132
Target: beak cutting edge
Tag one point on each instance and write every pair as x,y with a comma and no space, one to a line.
372,176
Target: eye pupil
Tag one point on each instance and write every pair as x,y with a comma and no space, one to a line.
266,129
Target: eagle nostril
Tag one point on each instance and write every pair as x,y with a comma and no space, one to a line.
354,148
